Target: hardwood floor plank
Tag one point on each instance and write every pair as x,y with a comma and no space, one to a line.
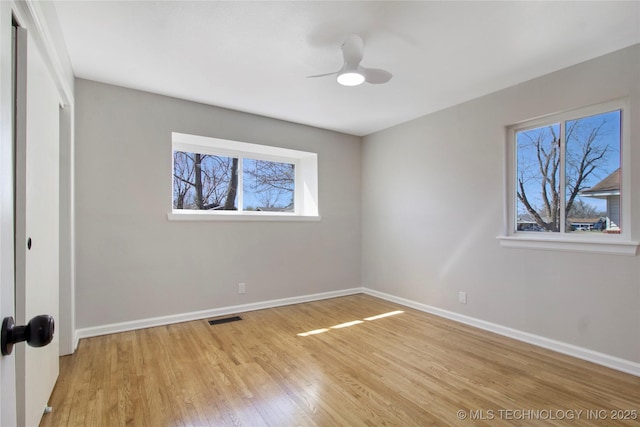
407,369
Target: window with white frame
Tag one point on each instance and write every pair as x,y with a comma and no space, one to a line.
567,180
214,177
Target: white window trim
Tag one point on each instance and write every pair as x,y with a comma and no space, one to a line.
615,244
306,178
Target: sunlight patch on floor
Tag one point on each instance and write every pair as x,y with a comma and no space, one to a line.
352,323
347,324
380,316
314,332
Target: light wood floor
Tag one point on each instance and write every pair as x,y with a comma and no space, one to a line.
408,369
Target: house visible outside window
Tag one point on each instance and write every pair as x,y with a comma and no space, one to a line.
608,190
220,177
566,180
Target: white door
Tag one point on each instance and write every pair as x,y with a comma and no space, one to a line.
37,224
28,279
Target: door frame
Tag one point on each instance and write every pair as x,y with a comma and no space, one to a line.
7,268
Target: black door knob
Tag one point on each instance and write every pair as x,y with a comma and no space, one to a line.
37,333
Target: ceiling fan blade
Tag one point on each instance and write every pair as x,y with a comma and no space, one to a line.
375,75
323,75
352,51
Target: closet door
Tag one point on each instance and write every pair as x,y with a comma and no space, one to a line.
37,210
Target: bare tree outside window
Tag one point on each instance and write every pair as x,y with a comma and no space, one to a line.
203,181
590,154
538,166
209,182
268,186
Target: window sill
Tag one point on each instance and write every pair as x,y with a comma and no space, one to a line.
598,246
232,216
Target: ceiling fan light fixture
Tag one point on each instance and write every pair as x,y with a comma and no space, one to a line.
350,78
352,73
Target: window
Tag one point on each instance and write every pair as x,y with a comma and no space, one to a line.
567,181
215,178
268,186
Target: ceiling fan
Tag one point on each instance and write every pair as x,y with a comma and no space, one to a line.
352,73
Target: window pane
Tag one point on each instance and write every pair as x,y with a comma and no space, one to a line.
538,179
592,193
268,186
204,181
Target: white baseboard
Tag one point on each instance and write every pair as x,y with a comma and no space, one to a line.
197,315
609,361
76,340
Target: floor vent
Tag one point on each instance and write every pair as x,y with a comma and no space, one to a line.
225,320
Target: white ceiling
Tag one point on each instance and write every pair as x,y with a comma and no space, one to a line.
255,56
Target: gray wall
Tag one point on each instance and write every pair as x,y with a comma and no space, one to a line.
132,263
435,233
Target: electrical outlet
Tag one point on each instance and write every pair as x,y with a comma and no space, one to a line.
241,288
462,297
